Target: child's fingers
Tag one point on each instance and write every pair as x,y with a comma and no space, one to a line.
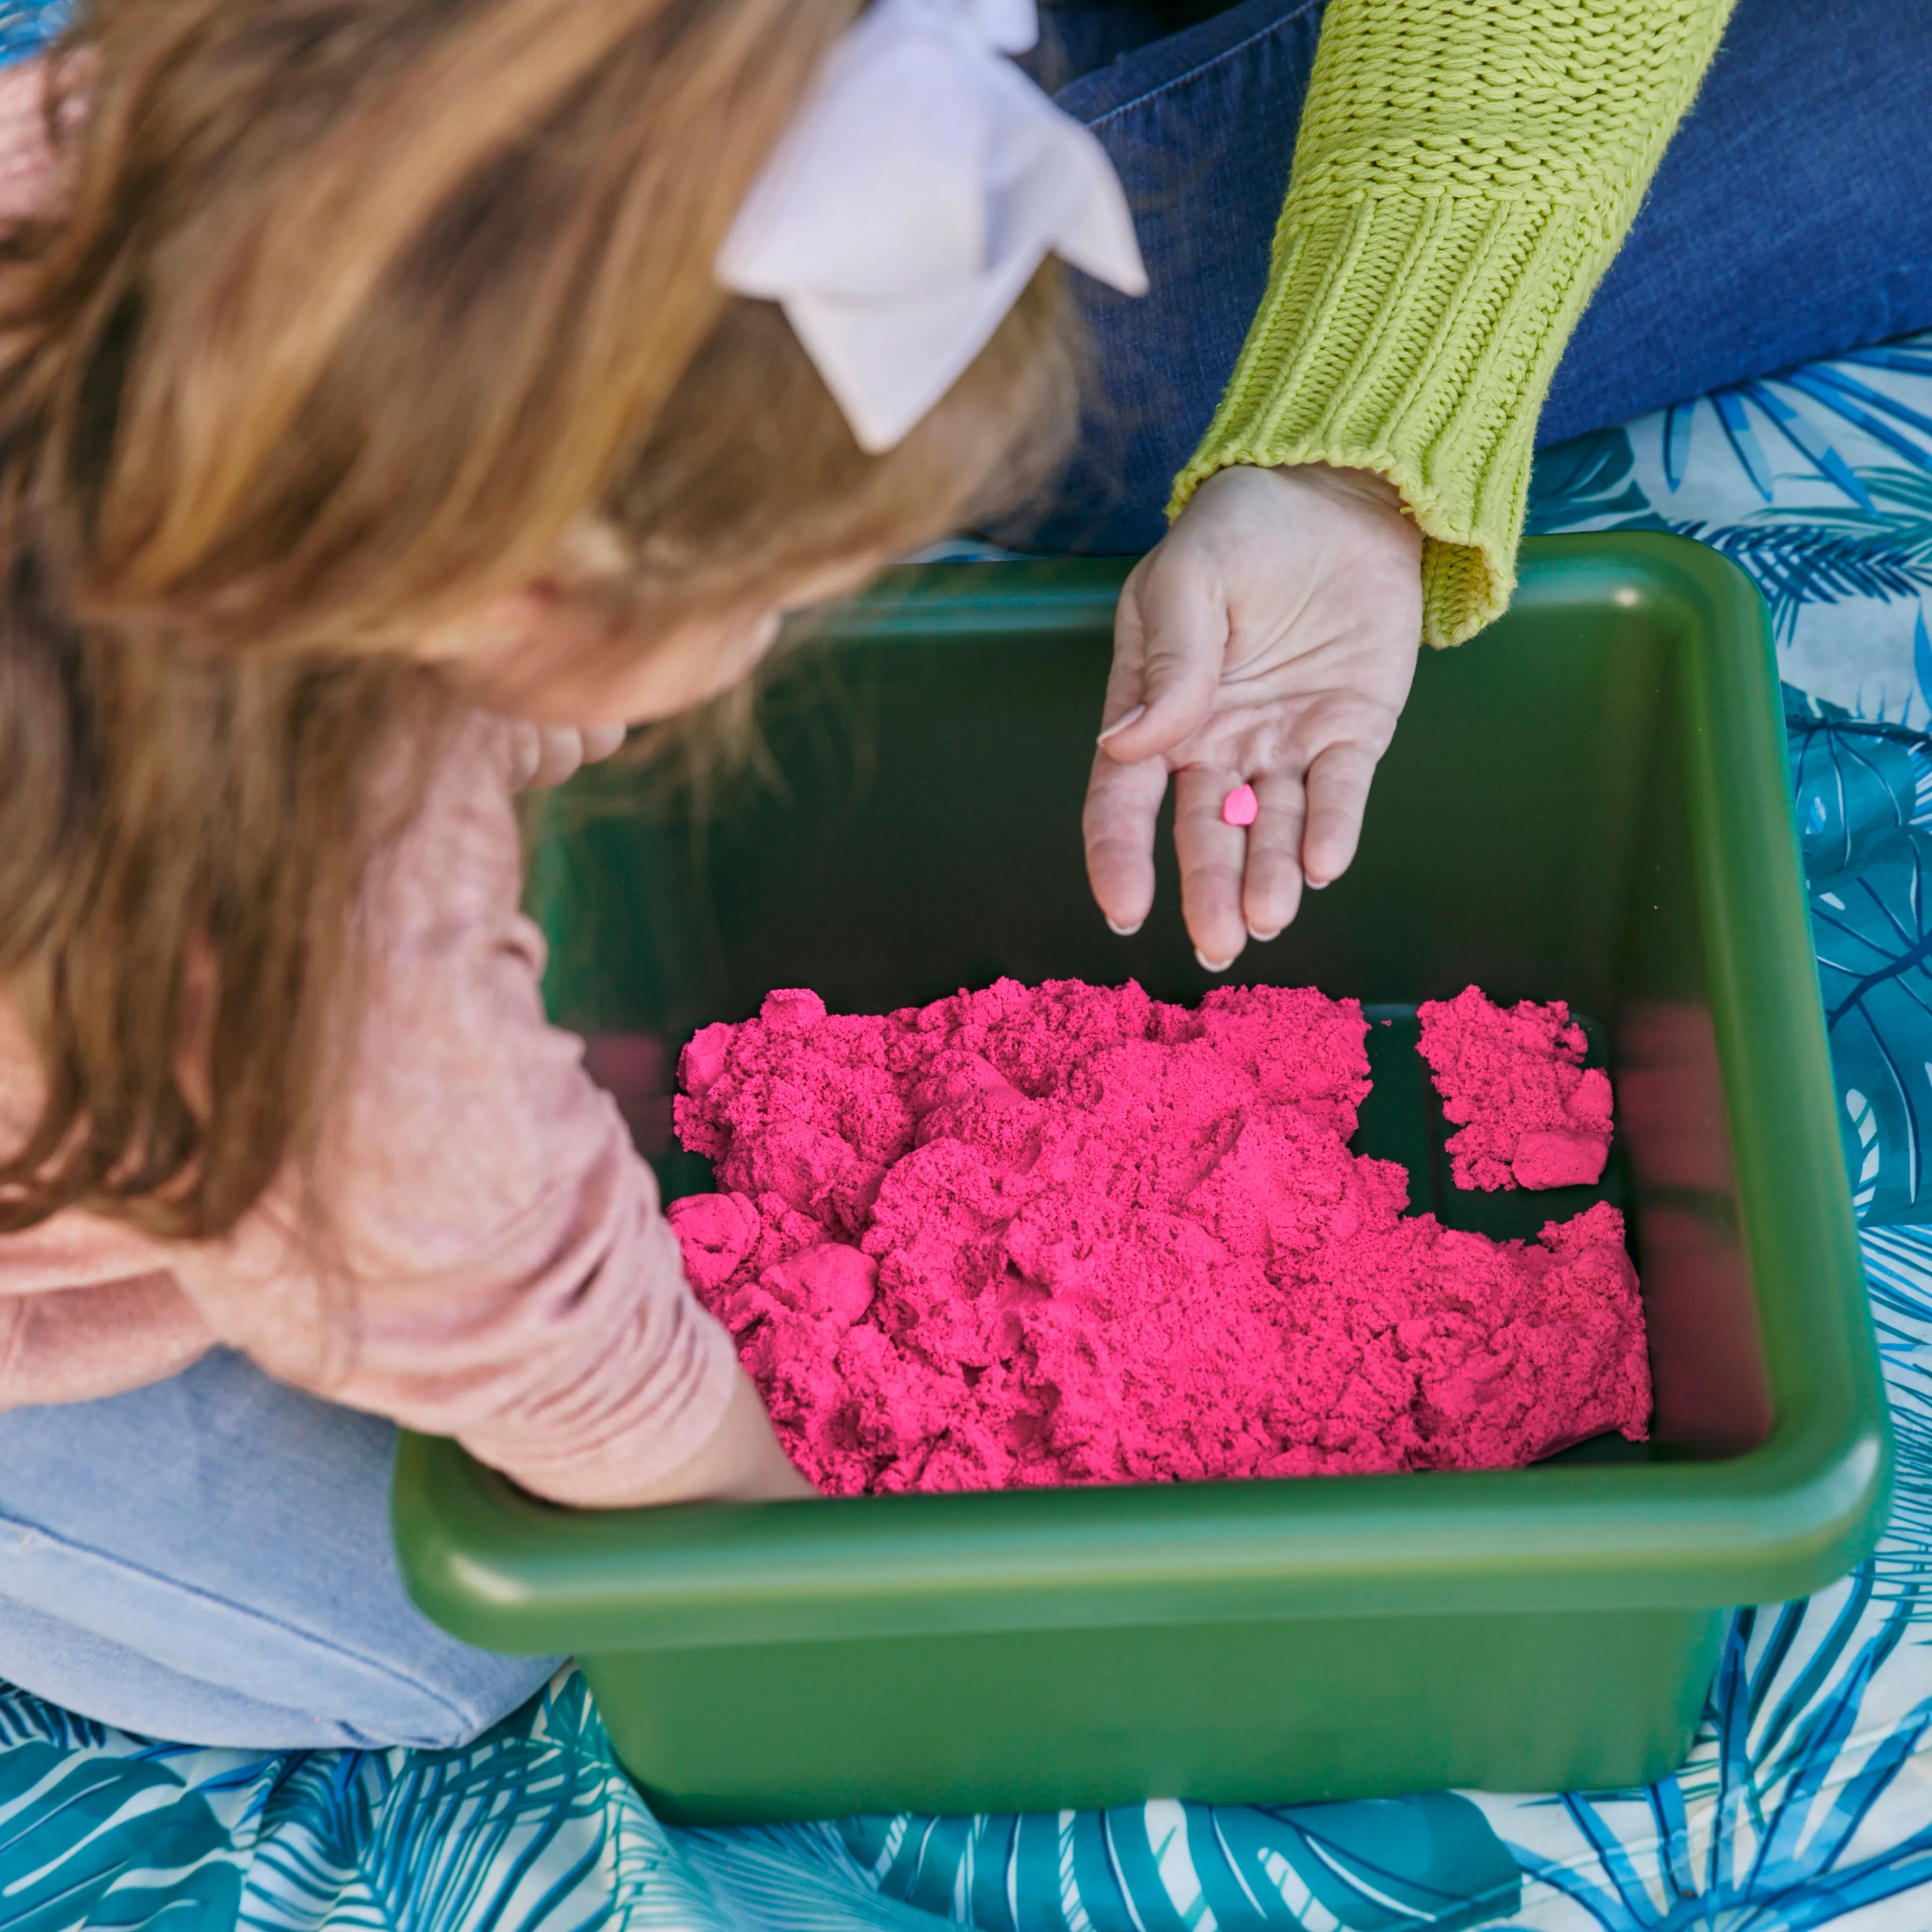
560,751
1213,855
1338,783
1171,626
1271,887
544,755
601,742
1123,801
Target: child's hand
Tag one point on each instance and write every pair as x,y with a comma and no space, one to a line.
741,1463
542,755
1271,637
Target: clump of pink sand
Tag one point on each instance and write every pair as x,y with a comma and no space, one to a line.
1068,1234
1535,1115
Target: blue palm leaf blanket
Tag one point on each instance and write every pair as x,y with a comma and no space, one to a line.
1808,1800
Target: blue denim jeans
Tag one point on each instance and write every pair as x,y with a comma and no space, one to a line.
1790,219
208,1560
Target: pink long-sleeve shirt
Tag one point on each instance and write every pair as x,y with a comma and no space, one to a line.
500,1269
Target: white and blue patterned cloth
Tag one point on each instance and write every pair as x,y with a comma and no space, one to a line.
1808,1801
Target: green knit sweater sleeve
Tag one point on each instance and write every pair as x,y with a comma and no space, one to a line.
1464,172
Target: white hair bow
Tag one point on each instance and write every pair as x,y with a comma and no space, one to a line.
923,180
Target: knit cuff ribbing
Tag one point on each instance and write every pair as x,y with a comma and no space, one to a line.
1414,335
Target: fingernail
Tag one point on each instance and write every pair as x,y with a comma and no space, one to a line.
1264,937
1121,723
1125,932
1212,965
1316,885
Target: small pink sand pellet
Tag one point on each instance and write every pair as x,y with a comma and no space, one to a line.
1070,1233
1240,807
1531,1114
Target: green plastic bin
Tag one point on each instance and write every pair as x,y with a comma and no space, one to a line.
1588,802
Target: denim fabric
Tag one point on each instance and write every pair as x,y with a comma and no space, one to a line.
208,1560
1789,220
26,26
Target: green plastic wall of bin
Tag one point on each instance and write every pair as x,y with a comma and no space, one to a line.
1587,801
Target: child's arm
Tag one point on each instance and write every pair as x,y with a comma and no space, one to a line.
508,1278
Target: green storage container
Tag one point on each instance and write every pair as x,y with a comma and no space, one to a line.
1588,801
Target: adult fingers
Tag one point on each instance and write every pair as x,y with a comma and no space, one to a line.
1171,640
1122,706
1271,881
1123,801
1337,782
1213,856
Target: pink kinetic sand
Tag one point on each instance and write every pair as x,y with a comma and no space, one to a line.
1536,1116
1068,1234
1240,807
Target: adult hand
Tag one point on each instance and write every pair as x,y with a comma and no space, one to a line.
542,755
1269,639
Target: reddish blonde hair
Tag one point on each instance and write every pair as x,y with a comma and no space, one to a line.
350,309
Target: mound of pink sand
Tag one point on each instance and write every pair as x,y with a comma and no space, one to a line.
1067,1234
1535,1115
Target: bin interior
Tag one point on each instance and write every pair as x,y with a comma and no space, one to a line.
919,832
